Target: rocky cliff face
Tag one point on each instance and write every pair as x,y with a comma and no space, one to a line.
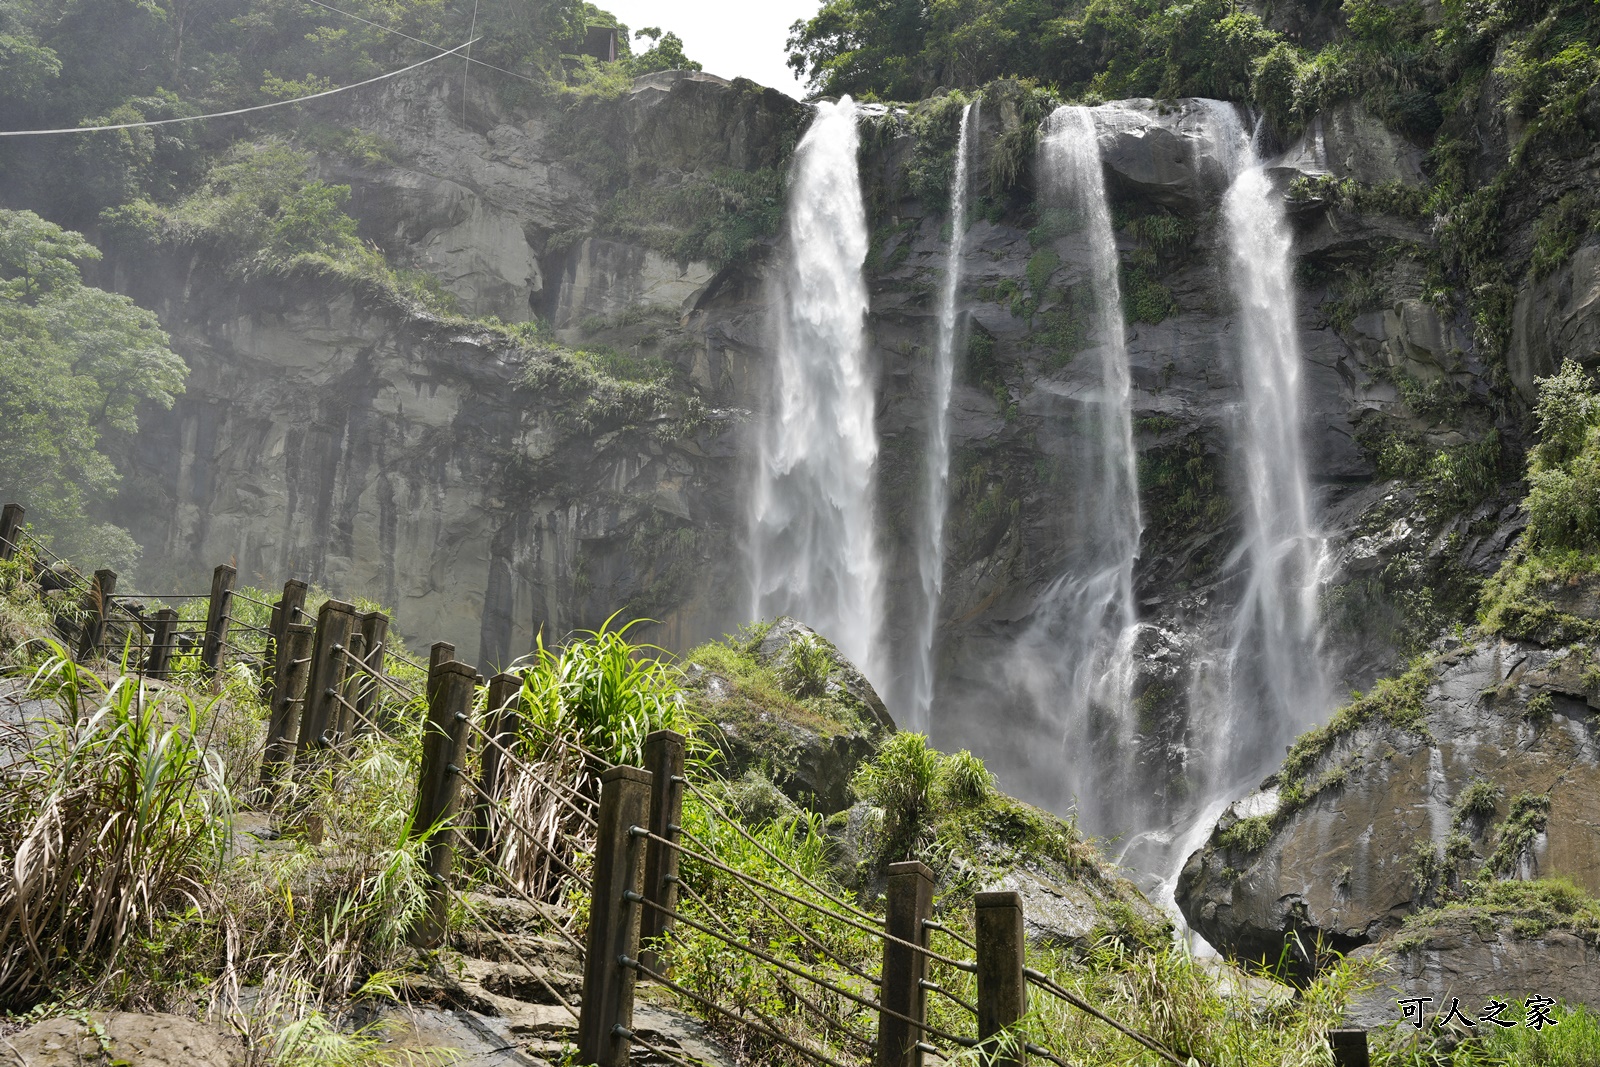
489,494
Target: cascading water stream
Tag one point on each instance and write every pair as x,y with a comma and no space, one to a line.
1265,682
936,469
1273,663
812,541
1075,661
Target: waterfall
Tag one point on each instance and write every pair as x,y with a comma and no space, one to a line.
812,543
1075,659
1267,683
936,469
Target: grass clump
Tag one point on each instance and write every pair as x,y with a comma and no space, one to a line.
1476,801
112,820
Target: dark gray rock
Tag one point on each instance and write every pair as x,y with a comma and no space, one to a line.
1342,865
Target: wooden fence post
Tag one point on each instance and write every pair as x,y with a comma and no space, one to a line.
355,680
663,758
162,641
1349,1048
442,652
605,1023
1002,985
288,702
444,751
374,642
213,654
285,612
909,904
320,719
503,721
93,633
10,530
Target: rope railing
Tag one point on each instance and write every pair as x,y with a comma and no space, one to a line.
530,834
1040,980
529,899
808,883
838,1024
960,965
775,910
397,688
550,783
537,972
798,972
1044,1053
766,1029
934,987
933,924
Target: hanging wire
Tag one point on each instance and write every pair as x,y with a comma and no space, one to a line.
733,942
236,111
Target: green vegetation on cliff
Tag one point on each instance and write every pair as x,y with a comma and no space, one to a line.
1560,549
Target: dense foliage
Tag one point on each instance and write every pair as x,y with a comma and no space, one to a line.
76,361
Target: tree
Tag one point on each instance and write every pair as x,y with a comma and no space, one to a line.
665,53
75,361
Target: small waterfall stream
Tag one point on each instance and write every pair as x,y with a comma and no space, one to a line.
812,539
1075,660
936,467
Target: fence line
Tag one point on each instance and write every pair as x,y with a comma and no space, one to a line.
322,683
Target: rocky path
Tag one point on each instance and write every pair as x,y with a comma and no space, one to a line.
477,1008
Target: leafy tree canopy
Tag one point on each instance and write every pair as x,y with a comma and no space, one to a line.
76,361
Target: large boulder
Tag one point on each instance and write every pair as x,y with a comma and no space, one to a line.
1485,761
805,735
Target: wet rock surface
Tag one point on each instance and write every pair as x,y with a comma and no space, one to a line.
1365,852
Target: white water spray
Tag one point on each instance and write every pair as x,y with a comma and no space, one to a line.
1265,683
936,469
813,550
1075,661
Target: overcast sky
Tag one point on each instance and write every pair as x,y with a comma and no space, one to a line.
731,38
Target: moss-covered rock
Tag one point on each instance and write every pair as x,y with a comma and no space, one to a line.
787,706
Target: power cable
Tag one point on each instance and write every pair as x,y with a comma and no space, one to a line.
238,111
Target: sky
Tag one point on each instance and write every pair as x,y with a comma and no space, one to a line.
731,38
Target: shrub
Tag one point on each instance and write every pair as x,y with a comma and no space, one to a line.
901,783
805,672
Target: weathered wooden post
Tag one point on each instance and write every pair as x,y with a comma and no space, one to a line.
909,904
288,702
1002,985
1349,1048
320,720
286,612
213,654
605,1022
442,652
444,751
355,681
10,530
663,758
374,641
503,722
99,606
162,641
